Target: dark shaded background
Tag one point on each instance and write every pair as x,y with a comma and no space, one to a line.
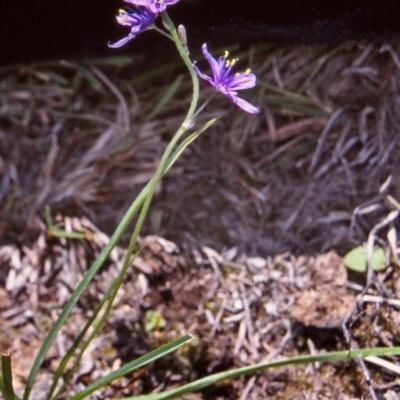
47,29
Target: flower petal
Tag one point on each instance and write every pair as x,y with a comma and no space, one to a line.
240,81
204,76
138,18
138,2
244,105
122,41
227,83
158,6
155,6
215,66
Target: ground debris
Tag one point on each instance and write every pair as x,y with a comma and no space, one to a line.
238,247
240,310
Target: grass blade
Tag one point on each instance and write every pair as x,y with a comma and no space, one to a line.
185,143
100,261
6,385
81,287
131,366
212,379
166,97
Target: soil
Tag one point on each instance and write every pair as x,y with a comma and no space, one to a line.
244,243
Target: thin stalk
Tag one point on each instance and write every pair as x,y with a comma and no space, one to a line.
200,109
163,33
147,191
115,238
187,123
72,349
182,146
158,174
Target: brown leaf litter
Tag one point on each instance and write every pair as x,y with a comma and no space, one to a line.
241,310
255,218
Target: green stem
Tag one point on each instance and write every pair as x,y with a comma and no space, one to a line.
122,227
163,33
189,65
187,123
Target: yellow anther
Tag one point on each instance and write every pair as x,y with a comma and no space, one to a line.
226,54
248,70
231,62
237,75
121,11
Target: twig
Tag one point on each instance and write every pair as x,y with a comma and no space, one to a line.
323,137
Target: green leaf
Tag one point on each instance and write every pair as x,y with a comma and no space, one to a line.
154,320
90,77
118,61
6,385
344,355
143,201
131,366
356,259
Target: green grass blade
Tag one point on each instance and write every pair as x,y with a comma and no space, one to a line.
61,367
212,379
100,261
58,78
154,72
282,102
291,155
118,61
90,77
297,98
48,218
67,235
1,385
185,143
81,287
166,97
6,385
144,197
170,161
131,366
94,322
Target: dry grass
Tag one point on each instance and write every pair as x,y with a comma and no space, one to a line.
250,206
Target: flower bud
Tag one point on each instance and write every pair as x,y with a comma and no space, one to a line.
183,38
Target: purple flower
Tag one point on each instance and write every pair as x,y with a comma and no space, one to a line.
138,18
226,82
155,6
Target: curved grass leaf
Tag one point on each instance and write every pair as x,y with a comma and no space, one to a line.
212,379
6,386
131,366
